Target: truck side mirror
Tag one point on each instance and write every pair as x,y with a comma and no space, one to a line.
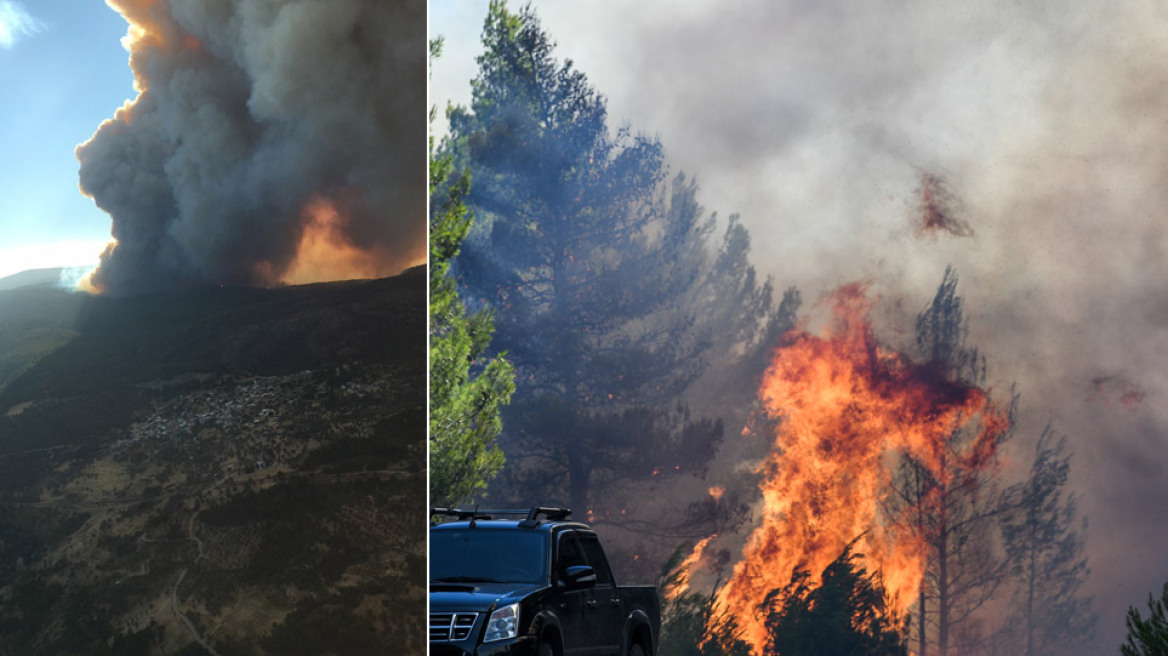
579,576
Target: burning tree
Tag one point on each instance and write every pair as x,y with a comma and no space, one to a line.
691,622
601,272
899,456
847,410
847,613
953,504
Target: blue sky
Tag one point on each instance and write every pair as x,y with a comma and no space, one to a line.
63,70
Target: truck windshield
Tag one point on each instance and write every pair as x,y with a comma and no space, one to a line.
487,556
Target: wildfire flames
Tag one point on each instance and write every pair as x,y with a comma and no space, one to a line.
848,408
686,567
325,253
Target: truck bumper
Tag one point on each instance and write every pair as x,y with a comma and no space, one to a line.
521,646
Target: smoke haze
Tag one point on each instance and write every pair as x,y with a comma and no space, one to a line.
818,121
263,130
16,23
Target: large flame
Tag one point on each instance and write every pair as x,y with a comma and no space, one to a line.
325,254
847,408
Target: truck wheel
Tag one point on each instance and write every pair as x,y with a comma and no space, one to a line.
636,650
545,649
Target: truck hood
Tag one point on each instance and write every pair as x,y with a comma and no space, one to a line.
478,596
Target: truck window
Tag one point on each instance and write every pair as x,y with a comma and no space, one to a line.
478,555
595,555
570,554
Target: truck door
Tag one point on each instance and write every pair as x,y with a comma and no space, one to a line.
610,609
578,608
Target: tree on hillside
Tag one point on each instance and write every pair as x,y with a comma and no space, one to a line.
599,265
1044,542
1147,637
955,511
464,405
847,613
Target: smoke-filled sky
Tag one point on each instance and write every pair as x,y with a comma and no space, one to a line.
270,142
62,71
838,129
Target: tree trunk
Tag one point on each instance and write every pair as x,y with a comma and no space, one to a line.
924,645
1030,605
578,475
943,579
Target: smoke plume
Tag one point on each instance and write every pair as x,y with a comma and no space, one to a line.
270,142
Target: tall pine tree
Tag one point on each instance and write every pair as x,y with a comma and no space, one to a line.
464,404
602,271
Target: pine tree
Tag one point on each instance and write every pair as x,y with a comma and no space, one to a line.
846,614
599,264
465,405
1147,637
1044,542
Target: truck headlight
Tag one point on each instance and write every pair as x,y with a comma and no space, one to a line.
503,624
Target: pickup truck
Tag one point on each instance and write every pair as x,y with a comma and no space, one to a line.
537,584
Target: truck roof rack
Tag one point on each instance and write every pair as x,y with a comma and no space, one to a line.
461,514
531,519
554,514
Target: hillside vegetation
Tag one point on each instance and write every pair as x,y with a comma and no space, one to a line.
220,470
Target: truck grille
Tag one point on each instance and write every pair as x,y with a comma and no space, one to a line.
451,626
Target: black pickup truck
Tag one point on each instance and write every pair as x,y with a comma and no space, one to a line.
537,584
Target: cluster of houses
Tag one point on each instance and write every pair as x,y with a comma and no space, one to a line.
249,423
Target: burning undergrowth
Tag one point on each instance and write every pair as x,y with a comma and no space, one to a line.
848,410
270,142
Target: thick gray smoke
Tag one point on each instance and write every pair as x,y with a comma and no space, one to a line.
818,121
249,113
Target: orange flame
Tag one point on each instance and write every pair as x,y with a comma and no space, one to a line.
847,407
685,568
325,254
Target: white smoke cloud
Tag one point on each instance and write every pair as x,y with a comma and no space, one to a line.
47,255
16,23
